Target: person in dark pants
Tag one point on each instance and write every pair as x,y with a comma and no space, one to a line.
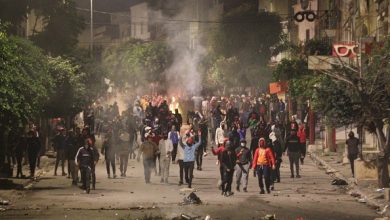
96,157
244,158
148,150
59,143
33,148
302,140
293,147
352,150
189,149
263,162
85,160
201,152
174,136
20,149
228,162
218,152
109,154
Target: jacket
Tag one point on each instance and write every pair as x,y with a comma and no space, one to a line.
244,156
219,135
292,144
302,135
228,159
218,152
165,147
85,157
269,156
148,149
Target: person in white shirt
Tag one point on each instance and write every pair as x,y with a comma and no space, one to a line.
165,147
220,135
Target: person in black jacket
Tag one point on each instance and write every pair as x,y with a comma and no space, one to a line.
228,162
294,152
85,160
33,148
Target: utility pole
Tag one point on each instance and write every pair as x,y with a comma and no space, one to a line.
91,31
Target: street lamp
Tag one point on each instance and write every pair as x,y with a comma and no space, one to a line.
91,30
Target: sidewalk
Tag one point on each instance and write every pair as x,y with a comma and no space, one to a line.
364,191
13,189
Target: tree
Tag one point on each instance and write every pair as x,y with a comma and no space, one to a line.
62,25
93,73
222,73
362,97
137,63
24,85
68,96
248,35
13,12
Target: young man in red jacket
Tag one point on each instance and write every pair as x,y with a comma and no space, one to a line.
263,162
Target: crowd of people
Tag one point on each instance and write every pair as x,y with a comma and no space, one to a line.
243,132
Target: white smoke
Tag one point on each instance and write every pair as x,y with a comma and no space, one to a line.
183,36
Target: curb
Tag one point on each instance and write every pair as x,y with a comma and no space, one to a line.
352,187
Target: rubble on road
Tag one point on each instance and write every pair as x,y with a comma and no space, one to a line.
339,182
269,217
192,198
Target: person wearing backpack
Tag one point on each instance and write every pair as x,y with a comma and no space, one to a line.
263,162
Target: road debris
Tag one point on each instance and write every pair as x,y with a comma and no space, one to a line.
270,217
339,182
192,199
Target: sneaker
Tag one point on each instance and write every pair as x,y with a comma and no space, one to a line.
278,180
238,189
244,190
114,176
298,176
108,176
64,174
262,191
292,176
268,191
88,190
272,188
180,183
200,168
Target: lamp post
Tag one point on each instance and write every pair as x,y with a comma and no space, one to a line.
91,30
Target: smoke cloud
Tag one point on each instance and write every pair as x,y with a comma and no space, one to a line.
183,36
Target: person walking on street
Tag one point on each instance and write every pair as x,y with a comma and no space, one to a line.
174,136
352,150
189,149
278,152
33,148
148,150
72,147
263,162
59,147
220,135
20,149
302,141
218,153
123,151
228,162
109,154
244,158
96,157
293,149
165,148
85,160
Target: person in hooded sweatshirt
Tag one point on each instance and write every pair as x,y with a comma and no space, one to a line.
189,149
262,164
278,152
220,135
228,162
293,147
